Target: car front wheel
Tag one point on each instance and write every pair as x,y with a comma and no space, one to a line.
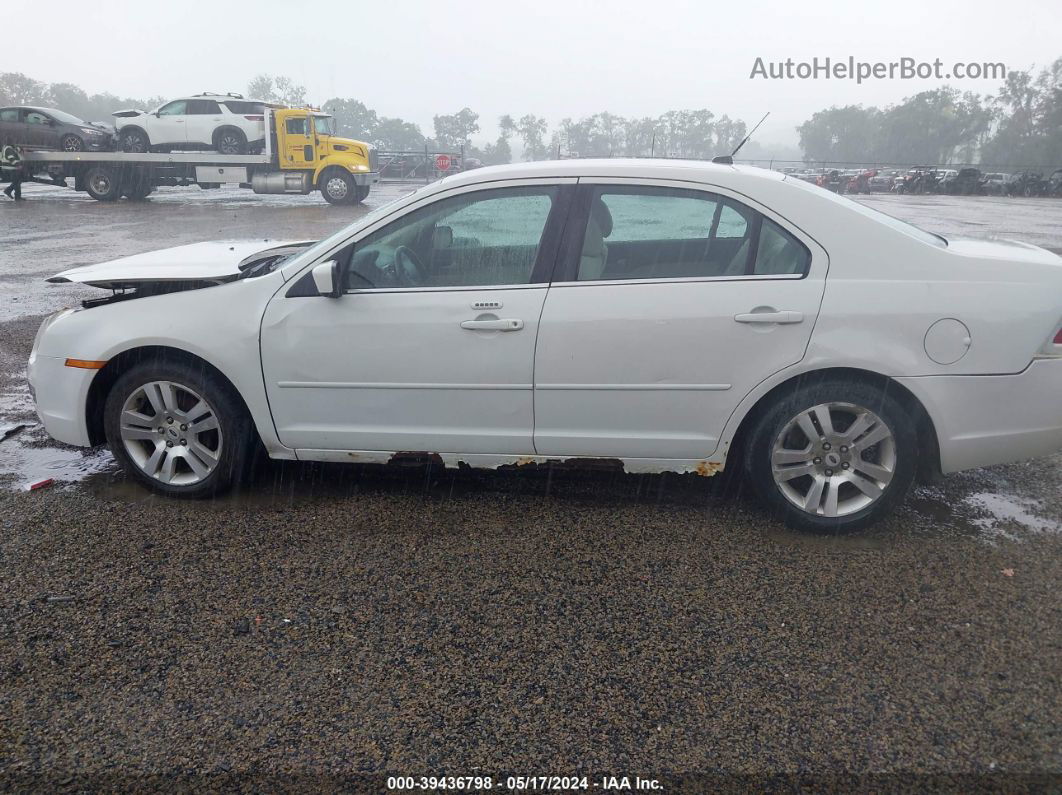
834,456
71,143
134,141
178,430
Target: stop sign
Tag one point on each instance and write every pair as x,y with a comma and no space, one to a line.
442,162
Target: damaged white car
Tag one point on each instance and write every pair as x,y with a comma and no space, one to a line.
658,315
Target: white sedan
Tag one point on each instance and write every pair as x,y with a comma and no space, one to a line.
659,315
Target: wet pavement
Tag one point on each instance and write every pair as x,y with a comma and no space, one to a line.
331,621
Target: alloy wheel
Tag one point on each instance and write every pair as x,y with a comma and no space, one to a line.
229,144
834,459
72,144
337,187
171,433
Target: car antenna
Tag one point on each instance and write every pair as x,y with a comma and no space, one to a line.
728,160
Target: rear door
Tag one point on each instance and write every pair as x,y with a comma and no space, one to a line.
11,127
202,117
671,305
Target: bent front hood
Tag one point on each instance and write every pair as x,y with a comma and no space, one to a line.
198,262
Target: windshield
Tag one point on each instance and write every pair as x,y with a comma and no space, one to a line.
883,218
59,115
326,125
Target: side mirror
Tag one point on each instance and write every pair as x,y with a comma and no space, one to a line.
442,237
326,279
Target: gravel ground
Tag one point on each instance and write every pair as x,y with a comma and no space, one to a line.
329,624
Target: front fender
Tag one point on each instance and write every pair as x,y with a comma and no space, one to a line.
219,325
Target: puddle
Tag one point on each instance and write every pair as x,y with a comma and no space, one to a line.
24,461
999,514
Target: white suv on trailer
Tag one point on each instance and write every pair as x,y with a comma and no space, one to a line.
227,123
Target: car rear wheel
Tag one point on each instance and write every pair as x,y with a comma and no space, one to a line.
178,430
71,143
134,141
833,457
229,141
103,184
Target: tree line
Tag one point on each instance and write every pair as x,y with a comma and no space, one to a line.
1021,124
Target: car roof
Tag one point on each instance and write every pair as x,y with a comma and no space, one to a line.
630,168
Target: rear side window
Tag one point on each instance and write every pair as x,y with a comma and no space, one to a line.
202,107
672,233
778,252
237,106
9,114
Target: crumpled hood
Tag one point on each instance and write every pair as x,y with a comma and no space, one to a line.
199,262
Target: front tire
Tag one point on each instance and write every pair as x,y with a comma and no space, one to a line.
337,186
178,430
134,140
833,456
72,143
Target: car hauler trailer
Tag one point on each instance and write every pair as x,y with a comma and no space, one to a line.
301,155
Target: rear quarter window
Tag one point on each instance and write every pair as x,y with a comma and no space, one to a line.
240,107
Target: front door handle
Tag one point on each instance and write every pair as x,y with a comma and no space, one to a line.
785,316
503,324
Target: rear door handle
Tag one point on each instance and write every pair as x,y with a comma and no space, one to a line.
503,324
785,316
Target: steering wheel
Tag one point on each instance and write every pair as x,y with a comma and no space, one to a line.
408,267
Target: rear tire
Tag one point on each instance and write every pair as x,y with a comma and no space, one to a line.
137,186
151,417
833,456
230,141
103,184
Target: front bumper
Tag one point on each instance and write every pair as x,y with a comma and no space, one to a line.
365,177
994,419
60,394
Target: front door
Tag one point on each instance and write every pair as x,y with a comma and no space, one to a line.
670,306
202,118
431,346
299,150
170,124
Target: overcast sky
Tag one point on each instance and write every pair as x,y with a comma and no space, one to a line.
556,59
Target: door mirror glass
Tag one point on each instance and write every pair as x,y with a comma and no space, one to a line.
326,278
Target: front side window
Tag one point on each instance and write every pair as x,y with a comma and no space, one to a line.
296,126
173,109
484,238
33,117
673,233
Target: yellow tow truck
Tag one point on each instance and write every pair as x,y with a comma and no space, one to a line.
302,154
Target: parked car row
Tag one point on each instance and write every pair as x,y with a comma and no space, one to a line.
967,181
